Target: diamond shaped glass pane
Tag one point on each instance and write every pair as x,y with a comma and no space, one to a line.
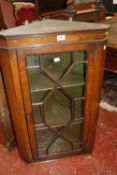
57,109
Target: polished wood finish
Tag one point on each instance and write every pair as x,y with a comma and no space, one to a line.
89,15
90,12
47,37
111,54
13,91
111,60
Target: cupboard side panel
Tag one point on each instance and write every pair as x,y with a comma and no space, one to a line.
88,92
13,90
96,94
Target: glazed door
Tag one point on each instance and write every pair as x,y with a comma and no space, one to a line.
55,87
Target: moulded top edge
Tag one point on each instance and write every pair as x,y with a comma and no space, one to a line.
51,26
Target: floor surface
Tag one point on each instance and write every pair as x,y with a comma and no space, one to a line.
103,160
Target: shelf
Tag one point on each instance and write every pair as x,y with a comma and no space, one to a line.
67,86
72,92
42,126
38,81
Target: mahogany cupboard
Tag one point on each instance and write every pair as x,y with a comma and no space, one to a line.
53,74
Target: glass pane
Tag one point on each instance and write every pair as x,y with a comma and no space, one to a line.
80,56
79,108
73,132
38,81
45,137
55,64
38,96
49,142
57,90
75,76
75,91
37,115
32,60
59,146
57,105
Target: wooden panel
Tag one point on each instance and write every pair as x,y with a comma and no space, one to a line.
111,60
7,139
96,93
14,96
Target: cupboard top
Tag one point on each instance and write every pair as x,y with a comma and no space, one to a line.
51,26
